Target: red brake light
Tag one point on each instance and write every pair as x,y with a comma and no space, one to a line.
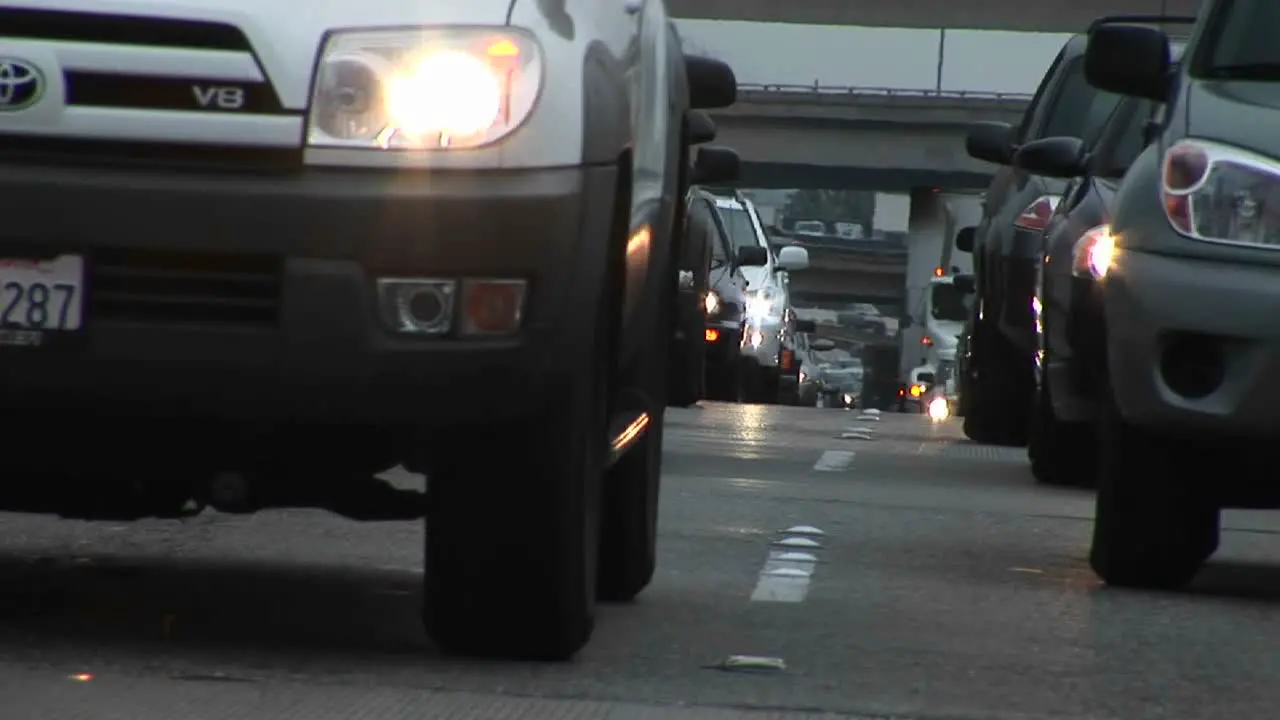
1037,214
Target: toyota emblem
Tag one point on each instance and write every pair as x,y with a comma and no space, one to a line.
21,84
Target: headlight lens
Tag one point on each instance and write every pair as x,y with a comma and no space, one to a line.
1218,193
427,89
1094,253
765,304
711,302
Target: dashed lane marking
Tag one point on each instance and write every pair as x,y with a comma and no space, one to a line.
785,577
834,461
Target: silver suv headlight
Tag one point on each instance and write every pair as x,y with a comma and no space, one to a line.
424,88
765,304
1218,193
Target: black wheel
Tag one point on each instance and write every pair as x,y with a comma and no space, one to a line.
1061,453
999,395
1152,527
688,353
512,541
629,532
629,529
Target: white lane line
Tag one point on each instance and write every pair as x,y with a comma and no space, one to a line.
785,577
834,461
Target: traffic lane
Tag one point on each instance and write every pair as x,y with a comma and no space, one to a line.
892,621
967,593
287,595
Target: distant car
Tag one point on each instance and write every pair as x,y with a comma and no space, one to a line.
724,302
1006,245
1062,438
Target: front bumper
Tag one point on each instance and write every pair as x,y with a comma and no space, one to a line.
725,350
1162,312
315,349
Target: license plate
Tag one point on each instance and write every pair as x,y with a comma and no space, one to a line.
40,296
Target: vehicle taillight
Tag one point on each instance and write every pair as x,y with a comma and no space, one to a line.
1093,253
1037,214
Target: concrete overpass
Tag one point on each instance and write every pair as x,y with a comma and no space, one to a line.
846,272
859,138
1020,15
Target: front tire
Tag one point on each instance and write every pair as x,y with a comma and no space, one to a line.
998,398
513,535
1061,453
1152,529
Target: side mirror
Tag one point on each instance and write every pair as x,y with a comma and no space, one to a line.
1130,60
806,326
964,239
1058,157
712,83
792,257
965,283
700,128
822,345
715,164
991,141
753,256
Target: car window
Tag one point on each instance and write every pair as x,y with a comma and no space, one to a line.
1130,142
1123,138
742,233
1243,34
700,214
1028,117
1079,110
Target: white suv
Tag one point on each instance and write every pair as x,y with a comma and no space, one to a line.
770,319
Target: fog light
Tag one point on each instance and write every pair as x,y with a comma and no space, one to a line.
492,307
420,306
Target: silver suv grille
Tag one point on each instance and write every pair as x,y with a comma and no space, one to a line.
147,90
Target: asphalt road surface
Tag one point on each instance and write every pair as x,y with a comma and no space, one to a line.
928,578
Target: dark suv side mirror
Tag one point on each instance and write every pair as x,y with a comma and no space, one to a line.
699,128
1132,60
754,256
991,141
712,83
1058,157
964,239
715,164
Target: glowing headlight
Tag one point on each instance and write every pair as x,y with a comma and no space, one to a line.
711,302
423,89
1094,253
764,304
848,399
939,409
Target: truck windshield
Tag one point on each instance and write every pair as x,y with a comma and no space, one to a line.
1241,41
742,233
948,302
1079,110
